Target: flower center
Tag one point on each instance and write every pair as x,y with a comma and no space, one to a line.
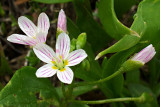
60,64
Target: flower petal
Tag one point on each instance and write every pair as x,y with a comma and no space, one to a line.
43,23
45,71
65,76
76,57
41,37
63,45
44,52
27,26
21,39
62,22
145,55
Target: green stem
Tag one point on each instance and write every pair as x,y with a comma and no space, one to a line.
120,71
138,99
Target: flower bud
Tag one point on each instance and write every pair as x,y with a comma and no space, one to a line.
145,55
139,59
73,45
81,41
62,22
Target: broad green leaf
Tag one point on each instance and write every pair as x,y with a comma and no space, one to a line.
137,90
148,12
109,20
86,23
24,87
52,1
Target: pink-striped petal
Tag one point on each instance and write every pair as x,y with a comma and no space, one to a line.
76,57
27,26
21,39
43,23
44,52
62,22
63,45
65,76
46,71
41,37
145,55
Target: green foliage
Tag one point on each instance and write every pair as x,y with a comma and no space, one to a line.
109,20
32,59
22,89
25,89
86,23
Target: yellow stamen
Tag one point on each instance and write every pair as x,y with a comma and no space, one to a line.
53,62
60,56
54,67
66,62
34,37
63,69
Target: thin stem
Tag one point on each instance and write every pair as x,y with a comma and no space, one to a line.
101,80
138,99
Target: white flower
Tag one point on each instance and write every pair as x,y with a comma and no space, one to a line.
145,55
60,61
35,34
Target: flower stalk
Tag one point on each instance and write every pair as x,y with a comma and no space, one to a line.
139,99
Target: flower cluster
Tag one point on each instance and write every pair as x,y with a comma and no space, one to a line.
58,62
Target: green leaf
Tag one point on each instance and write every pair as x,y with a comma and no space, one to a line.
137,90
125,43
148,13
115,85
52,1
73,29
23,88
133,79
86,23
109,20
80,72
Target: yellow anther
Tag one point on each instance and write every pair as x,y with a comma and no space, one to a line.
34,37
63,69
54,67
66,62
60,56
53,62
